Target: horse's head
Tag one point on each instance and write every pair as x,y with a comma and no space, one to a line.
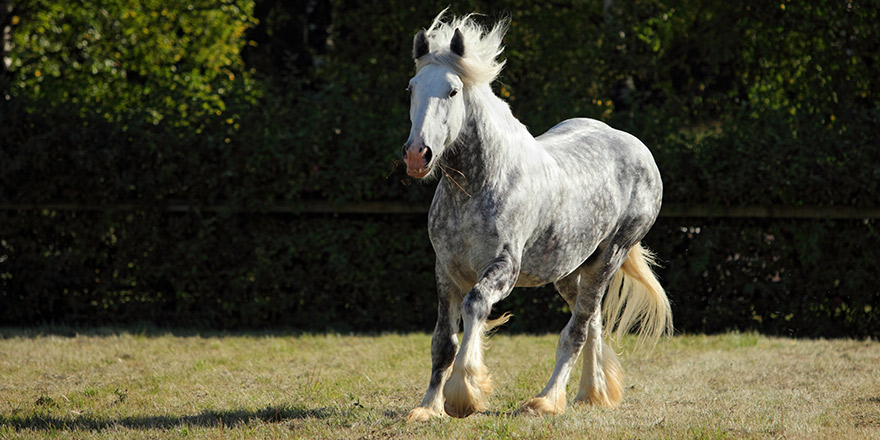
451,60
436,109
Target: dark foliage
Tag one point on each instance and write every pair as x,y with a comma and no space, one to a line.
741,103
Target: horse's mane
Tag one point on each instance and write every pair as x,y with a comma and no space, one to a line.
481,47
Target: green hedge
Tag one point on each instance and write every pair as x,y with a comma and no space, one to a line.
741,103
375,273
215,270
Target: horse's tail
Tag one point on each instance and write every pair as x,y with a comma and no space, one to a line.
635,297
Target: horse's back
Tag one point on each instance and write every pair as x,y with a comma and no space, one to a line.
572,126
592,135
607,158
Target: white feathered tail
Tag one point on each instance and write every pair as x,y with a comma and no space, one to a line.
636,301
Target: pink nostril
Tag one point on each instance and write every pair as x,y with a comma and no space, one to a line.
417,159
422,151
408,147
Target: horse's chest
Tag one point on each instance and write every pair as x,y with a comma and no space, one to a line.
458,245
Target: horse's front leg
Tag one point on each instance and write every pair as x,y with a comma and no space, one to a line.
443,346
468,387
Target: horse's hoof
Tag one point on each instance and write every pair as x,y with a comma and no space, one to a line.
598,398
459,411
467,395
540,406
422,414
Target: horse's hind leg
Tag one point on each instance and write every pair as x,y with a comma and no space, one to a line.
583,290
443,347
552,399
602,376
645,302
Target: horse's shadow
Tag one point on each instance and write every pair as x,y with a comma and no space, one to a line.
207,419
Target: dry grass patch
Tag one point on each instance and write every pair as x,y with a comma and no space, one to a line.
109,384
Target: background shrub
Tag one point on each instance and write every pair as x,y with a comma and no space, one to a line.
147,147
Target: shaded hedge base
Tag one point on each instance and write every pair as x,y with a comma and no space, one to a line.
375,273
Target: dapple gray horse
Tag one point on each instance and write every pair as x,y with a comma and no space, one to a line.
569,208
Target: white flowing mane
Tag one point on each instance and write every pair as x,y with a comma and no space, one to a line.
482,46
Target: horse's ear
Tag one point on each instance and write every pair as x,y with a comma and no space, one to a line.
457,44
420,45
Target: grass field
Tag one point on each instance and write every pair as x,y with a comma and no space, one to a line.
112,384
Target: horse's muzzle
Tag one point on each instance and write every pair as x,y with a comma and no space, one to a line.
417,159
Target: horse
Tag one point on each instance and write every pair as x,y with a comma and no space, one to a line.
569,207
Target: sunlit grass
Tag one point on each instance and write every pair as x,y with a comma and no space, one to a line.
109,384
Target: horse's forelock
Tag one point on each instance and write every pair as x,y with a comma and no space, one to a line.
481,48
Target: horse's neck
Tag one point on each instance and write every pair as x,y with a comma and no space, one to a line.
493,142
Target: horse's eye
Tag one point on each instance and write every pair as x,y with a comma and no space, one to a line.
453,93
